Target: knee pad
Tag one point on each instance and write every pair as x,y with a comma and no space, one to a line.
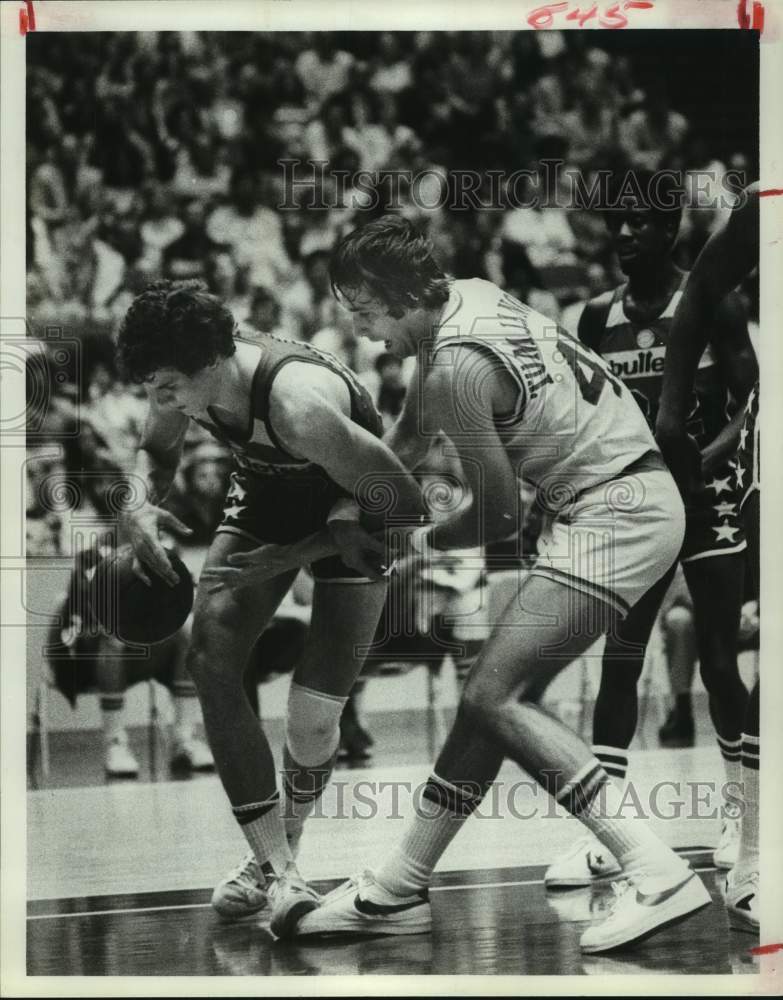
678,617
312,724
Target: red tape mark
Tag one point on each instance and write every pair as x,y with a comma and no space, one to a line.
766,949
771,193
27,18
755,22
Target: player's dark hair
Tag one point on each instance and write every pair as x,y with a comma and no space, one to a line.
174,324
636,189
394,262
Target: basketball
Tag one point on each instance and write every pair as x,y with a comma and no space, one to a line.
132,611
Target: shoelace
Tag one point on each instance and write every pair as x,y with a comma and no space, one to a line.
246,871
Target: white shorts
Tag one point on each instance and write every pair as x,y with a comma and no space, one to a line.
617,539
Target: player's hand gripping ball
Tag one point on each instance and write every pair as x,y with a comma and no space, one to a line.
132,611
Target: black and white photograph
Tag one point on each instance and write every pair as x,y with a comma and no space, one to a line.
383,541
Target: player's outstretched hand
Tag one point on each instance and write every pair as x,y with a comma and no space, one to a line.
249,568
359,549
142,527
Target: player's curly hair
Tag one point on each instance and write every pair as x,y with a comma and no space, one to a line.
394,262
174,324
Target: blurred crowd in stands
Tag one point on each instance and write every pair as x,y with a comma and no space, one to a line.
156,155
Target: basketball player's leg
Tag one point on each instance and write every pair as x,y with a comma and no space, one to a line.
742,882
344,621
716,584
225,625
614,725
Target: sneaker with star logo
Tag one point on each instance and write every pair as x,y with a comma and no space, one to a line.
587,862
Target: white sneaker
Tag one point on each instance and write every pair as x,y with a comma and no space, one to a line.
361,906
191,754
587,862
643,908
242,892
119,761
290,898
742,903
726,853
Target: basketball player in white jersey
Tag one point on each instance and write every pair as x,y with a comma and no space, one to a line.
521,400
629,327
730,255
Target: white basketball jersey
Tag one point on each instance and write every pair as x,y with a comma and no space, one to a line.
575,424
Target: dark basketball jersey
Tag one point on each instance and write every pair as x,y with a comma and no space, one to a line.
258,452
636,352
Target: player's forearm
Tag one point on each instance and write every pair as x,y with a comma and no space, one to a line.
156,472
722,447
319,545
410,448
687,341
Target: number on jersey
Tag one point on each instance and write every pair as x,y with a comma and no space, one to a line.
590,374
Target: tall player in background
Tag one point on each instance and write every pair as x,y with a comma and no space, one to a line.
521,400
629,327
304,433
729,256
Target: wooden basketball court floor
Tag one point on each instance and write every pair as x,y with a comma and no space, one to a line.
119,879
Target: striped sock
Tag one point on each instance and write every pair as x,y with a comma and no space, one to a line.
748,858
303,785
444,808
262,825
614,760
600,805
731,752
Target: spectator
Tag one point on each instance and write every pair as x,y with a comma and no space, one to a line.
190,255
323,69
252,233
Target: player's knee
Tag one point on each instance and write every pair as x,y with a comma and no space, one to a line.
478,705
312,724
678,619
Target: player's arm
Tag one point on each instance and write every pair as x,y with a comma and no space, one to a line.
739,369
729,254
593,320
310,415
494,512
156,465
405,437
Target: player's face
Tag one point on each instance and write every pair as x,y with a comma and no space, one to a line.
639,238
371,319
190,394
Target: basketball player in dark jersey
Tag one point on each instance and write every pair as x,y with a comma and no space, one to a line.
629,327
730,255
304,434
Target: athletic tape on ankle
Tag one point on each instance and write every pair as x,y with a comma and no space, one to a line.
312,724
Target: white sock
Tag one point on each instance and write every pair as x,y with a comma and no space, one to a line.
443,810
112,711
748,858
262,825
608,814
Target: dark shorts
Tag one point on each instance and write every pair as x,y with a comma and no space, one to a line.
283,509
713,526
747,468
